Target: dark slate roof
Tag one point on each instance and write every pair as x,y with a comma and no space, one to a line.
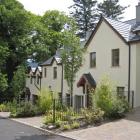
122,28
86,78
90,79
56,57
126,30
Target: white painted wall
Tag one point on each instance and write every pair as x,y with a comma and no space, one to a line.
103,42
50,81
137,99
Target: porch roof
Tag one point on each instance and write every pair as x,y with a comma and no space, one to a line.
87,79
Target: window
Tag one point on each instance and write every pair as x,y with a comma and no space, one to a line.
93,59
68,100
38,79
115,57
54,72
31,80
120,91
45,72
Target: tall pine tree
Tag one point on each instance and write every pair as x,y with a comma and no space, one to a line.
84,12
111,9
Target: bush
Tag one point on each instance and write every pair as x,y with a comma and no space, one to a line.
75,125
3,108
48,119
25,109
45,100
112,105
119,108
93,116
66,127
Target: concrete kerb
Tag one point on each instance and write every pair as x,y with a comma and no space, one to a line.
41,129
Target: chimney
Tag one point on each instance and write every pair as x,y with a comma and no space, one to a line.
138,12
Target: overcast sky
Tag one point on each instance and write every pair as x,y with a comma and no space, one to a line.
40,6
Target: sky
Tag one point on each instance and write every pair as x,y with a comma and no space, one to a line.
40,6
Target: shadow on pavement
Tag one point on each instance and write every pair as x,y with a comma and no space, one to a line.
134,115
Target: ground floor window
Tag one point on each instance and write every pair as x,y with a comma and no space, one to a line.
79,101
68,100
120,91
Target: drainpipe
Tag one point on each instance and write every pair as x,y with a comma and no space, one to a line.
62,80
129,71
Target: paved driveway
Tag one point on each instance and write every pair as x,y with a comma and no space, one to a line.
10,130
124,129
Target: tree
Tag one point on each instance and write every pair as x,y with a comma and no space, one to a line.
111,9
21,33
71,58
84,13
19,87
55,22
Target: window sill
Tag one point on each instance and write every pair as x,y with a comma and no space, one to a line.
115,66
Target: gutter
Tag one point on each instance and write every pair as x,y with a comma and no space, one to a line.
129,71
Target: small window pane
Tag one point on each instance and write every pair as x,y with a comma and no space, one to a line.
38,79
93,59
55,72
115,57
120,91
45,72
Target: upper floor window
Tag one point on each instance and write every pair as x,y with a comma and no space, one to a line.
31,80
115,57
38,79
54,72
45,72
93,59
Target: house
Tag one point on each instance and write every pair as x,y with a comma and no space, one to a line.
112,49
33,82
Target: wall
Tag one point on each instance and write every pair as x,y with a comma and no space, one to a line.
137,99
103,42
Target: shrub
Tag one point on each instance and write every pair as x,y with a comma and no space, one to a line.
58,123
112,105
75,125
66,127
26,109
48,119
3,108
93,116
45,100
119,108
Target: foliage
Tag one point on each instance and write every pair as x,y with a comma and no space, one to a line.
106,99
93,116
66,127
19,87
25,109
20,36
75,125
45,100
71,58
3,108
3,82
84,13
55,22
111,9
119,108
48,119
